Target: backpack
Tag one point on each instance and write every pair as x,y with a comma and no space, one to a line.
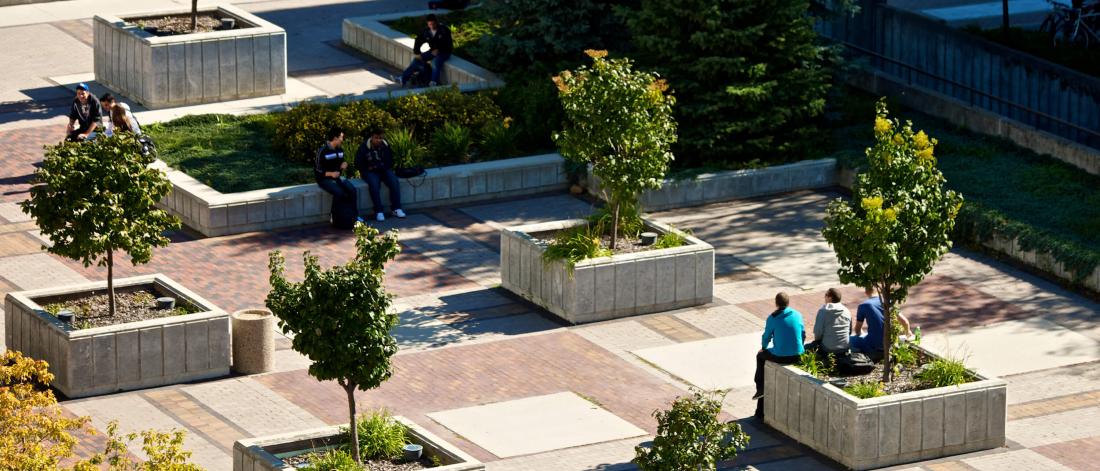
421,76
854,364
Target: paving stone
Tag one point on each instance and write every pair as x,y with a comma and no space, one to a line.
1055,428
11,212
721,321
1052,383
1079,455
253,407
610,456
530,211
719,363
1035,344
38,270
453,249
1019,460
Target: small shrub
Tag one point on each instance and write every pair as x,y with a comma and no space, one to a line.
498,139
415,112
690,436
335,460
865,390
301,130
575,244
943,372
630,219
533,104
381,437
428,111
407,152
358,117
451,144
670,239
811,363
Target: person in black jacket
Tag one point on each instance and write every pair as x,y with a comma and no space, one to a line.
84,116
329,163
374,159
440,45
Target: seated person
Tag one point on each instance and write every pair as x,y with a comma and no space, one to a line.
327,166
784,330
831,326
440,44
112,107
84,115
871,312
374,159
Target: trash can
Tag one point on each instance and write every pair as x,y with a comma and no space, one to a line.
253,341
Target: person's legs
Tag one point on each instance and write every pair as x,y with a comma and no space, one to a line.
350,193
409,71
395,189
437,67
374,186
332,187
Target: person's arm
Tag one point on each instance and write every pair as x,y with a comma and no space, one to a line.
91,129
768,333
420,40
95,115
819,325
904,323
317,167
387,157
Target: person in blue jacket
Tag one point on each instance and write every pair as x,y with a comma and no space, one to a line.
786,334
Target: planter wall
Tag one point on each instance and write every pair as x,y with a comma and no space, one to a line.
189,69
258,454
735,184
213,213
368,34
121,357
607,287
888,430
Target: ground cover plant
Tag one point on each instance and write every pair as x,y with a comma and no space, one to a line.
690,436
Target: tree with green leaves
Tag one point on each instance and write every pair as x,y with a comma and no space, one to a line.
897,224
341,317
97,197
690,436
748,75
618,121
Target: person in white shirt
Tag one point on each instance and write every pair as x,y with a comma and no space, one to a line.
111,106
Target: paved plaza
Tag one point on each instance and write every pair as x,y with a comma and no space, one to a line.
502,379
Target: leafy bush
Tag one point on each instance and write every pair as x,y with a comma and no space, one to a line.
532,102
630,219
300,131
575,244
865,390
407,152
335,460
813,364
943,372
450,144
498,139
380,436
358,117
670,239
531,33
423,112
691,437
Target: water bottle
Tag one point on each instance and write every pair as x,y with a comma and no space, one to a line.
916,334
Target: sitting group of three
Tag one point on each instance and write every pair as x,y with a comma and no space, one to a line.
834,333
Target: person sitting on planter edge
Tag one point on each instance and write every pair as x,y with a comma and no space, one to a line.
440,44
870,311
831,326
85,113
112,108
374,159
785,331
327,166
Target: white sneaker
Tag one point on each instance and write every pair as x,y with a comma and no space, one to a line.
399,213
380,217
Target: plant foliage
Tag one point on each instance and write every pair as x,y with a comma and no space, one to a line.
865,389
381,437
943,372
575,244
407,151
451,143
815,365
691,437
335,460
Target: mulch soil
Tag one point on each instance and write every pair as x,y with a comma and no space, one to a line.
902,382
93,311
302,460
181,24
625,245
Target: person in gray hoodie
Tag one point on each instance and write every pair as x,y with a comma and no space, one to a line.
832,326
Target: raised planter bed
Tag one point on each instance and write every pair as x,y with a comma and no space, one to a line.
262,454
213,213
189,69
607,287
735,184
121,357
888,430
369,35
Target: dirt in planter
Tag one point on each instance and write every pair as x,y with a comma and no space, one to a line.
369,465
130,306
171,25
626,245
904,380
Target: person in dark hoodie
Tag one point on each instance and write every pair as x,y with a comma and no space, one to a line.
832,326
374,159
328,165
785,332
440,45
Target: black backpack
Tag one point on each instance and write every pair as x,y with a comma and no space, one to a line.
854,364
421,76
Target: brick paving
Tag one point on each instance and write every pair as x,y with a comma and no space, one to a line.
20,149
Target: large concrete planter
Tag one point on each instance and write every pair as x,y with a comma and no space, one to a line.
884,431
189,69
608,287
120,357
262,454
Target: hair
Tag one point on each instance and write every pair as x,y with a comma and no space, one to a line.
869,290
833,294
333,133
121,122
431,17
782,300
106,97
375,132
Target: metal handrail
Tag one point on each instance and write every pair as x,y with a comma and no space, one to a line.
970,90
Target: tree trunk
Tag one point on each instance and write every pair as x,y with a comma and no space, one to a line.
1004,16
111,282
614,225
353,427
887,334
195,15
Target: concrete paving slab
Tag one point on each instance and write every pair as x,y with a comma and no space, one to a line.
1013,347
11,212
536,424
31,54
253,407
1058,382
530,210
718,363
353,82
39,270
610,456
1055,428
1019,460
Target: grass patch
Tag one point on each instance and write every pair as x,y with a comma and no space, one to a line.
575,244
228,153
1040,45
467,28
865,390
670,239
819,367
943,372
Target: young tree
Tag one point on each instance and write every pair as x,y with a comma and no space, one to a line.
898,222
341,317
619,121
34,434
690,436
194,15
93,198
748,75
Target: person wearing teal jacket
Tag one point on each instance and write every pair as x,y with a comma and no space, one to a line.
786,334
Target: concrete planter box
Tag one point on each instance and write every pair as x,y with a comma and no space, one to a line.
120,357
259,454
369,35
213,213
607,287
189,69
884,431
735,184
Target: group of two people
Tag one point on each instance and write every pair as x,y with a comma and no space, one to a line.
373,160
834,333
87,112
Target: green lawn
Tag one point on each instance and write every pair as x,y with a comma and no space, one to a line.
229,153
467,27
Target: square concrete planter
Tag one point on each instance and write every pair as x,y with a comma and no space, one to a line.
884,431
263,454
188,69
134,355
607,287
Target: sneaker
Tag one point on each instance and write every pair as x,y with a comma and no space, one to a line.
399,213
380,217
360,219
759,395
432,83
397,78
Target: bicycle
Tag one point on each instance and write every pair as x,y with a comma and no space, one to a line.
1075,24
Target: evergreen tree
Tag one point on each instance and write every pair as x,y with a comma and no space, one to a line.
749,75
